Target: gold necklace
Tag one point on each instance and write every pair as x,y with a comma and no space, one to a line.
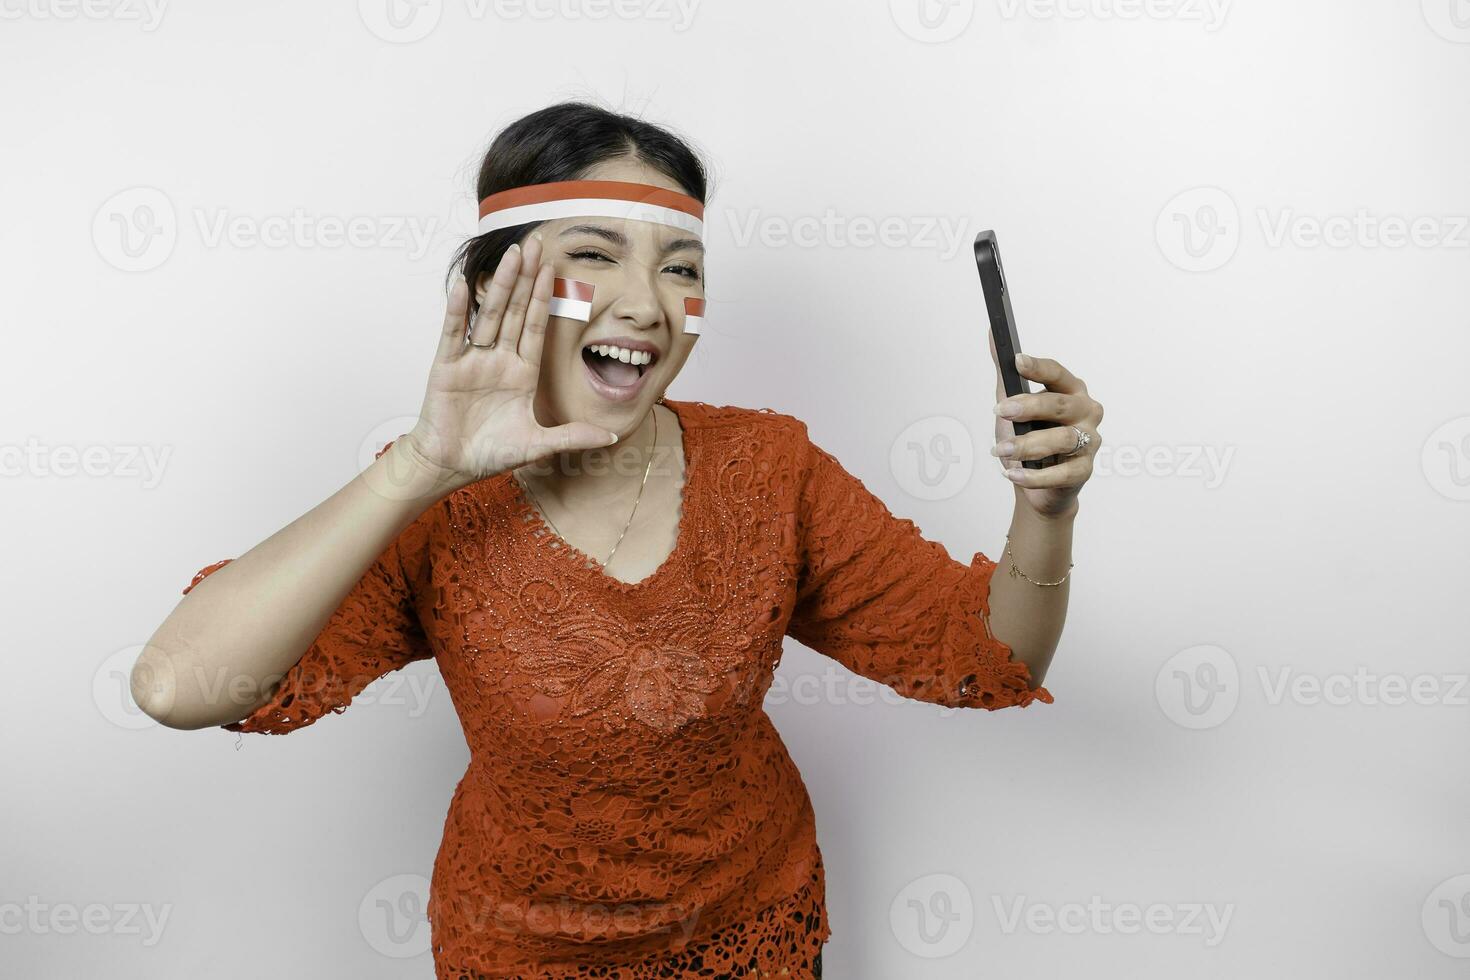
619,541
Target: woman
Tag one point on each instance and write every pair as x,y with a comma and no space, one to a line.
607,615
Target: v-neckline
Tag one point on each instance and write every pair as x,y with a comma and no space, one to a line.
545,537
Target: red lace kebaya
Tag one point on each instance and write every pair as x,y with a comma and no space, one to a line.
629,811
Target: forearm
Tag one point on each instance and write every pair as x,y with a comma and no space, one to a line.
213,660
1029,618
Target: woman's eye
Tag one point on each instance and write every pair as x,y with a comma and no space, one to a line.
687,271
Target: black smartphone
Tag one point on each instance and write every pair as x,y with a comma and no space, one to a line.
1003,329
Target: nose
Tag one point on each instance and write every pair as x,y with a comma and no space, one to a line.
637,304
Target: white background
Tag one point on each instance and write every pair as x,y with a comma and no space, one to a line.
1282,494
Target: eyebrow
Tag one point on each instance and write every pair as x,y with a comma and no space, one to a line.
619,239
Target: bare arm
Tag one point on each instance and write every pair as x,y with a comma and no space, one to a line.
217,655
1028,617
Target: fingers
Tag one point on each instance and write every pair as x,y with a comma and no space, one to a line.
1050,373
486,323
1049,406
1070,472
451,335
1045,442
572,437
520,295
538,311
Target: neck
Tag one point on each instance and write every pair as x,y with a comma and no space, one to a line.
604,472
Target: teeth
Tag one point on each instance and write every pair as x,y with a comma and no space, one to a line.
623,354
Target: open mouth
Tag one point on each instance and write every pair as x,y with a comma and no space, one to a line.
616,366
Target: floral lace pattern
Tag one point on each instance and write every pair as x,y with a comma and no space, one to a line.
629,811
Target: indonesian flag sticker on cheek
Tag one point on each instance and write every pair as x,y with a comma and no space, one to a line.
572,299
693,315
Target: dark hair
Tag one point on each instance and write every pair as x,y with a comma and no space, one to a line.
564,142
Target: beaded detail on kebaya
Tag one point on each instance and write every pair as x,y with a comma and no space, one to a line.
629,810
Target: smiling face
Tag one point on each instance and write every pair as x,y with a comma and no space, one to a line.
641,273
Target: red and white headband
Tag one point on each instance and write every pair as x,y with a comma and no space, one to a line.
630,201
592,199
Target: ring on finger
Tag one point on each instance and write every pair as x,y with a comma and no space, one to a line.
471,331
1084,439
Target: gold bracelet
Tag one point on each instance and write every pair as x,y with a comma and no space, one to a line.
1014,571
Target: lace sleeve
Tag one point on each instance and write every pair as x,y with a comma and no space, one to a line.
374,631
893,606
